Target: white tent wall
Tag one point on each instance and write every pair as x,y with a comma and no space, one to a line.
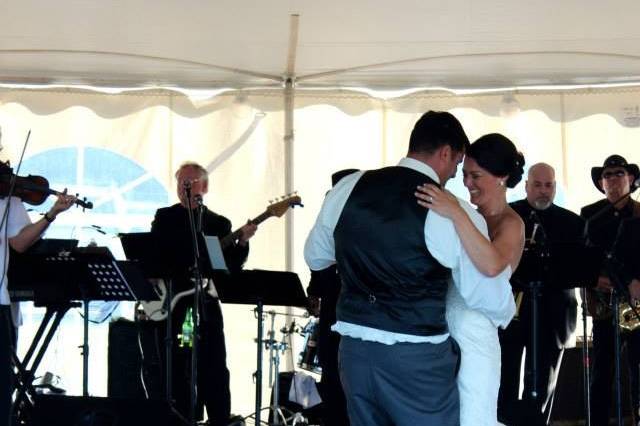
240,136
242,146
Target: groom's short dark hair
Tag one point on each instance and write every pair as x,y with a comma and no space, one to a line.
435,129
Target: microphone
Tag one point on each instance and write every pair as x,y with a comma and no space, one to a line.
634,184
186,184
533,233
537,225
200,210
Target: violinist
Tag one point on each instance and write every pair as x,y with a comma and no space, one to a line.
17,232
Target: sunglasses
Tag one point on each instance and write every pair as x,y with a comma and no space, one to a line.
617,173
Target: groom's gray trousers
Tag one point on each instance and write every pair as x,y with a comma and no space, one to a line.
404,384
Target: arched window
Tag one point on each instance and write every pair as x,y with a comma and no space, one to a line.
125,198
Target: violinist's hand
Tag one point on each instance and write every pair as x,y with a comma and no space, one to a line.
313,305
604,284
634,289
248,231
64,202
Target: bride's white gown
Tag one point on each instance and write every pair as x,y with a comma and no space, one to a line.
479,375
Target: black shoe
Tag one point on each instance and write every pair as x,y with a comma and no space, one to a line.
236,420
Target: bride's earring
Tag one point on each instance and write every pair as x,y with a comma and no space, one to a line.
501,183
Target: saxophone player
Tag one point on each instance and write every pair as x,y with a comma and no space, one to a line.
614,179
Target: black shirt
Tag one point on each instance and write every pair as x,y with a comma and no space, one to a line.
171,227
559,230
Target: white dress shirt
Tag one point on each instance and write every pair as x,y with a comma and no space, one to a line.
490,296
17,219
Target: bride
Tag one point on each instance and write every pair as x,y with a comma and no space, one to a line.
491,165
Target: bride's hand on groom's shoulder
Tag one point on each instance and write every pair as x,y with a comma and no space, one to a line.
442,202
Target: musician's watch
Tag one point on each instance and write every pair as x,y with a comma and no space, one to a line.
49,218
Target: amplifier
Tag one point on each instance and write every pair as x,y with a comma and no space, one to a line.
126,366
58,410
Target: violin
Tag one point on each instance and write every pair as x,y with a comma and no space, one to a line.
30,189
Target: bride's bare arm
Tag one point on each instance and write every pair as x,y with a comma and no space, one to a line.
508,238
489,257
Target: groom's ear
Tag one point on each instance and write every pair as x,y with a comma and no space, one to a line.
445,153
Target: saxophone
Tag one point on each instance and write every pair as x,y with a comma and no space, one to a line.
628,320
599,306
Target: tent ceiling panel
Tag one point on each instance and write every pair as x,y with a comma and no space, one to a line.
425,43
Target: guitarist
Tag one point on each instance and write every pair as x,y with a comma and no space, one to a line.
171,226
615,178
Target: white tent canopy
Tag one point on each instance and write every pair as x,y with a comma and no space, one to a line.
375,44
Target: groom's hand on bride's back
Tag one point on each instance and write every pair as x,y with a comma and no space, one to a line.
313,305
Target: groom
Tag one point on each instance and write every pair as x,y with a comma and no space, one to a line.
398,364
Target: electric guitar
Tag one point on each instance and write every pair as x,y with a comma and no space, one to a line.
157,310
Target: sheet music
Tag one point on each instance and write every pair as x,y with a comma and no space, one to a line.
214,250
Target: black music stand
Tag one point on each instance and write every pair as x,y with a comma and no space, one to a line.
54,280
260,288
567,265
146,249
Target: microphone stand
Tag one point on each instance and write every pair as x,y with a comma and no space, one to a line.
586,374
535,286
196,305
617,290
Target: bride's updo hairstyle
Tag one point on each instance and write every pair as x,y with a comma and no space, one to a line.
499,156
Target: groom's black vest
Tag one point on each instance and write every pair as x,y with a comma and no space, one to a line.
390,280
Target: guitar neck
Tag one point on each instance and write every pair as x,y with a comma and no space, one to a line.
235,235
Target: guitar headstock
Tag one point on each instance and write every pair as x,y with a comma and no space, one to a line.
278,208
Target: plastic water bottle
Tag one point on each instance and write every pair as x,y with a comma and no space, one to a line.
186,338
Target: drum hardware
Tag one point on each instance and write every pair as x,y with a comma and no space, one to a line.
308,359
277,348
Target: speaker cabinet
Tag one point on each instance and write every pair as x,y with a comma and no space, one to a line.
57,410
126,366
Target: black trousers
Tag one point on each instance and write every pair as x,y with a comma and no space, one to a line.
603,368
513,341
405,384
7,342
333,400
213,375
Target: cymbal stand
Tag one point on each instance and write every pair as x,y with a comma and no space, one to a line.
276,348
259,313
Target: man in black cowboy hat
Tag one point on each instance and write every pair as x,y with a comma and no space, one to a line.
616,179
